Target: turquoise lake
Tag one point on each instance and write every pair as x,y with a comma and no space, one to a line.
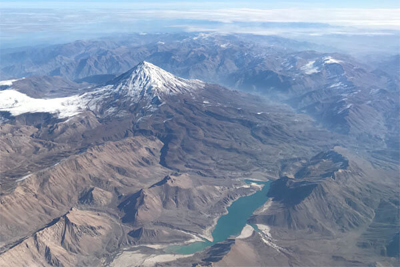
230,224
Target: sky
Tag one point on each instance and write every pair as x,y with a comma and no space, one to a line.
208,4
47,21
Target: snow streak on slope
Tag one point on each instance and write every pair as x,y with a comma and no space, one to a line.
316,66
9,82
331,60
309,68
18,103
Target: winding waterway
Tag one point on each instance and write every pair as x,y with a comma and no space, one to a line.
230,224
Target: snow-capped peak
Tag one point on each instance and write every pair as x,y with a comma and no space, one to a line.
148,79
143,82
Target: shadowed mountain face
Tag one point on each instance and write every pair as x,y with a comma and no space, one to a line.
152,160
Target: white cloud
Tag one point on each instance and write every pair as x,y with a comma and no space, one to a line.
21,25
380,18
367,18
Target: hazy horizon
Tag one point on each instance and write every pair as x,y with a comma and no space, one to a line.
50,22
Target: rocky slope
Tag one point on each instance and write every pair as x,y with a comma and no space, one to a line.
74,239
151,159
333,199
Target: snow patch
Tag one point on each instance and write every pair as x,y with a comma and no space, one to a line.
18,103
331,60
374,91
9,82
309,68
201,35
336,85
347,107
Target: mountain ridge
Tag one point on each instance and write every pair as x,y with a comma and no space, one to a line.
143,82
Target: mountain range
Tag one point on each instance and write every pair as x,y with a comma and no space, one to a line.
110,170
335,89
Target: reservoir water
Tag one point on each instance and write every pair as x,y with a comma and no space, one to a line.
230,224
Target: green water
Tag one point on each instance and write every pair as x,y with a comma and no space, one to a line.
230,224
